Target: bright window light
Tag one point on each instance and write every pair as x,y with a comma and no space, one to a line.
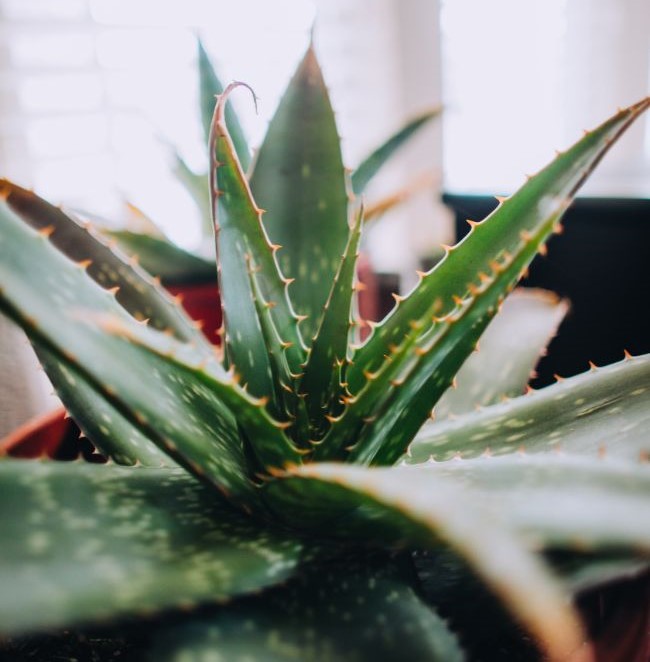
524,78
96,93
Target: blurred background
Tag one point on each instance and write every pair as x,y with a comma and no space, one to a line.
94,94
91,91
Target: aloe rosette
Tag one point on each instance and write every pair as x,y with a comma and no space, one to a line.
174,265
288,472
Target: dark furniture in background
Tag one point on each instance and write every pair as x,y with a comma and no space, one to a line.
601,263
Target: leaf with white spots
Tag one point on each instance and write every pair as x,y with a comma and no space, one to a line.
381,419
416,352
121,441
423,509
321,381
83,543
605,411
241,245
350,612
555,501
299,179
109,431
507,239
170,404
182,371
510,348
134,288
369,167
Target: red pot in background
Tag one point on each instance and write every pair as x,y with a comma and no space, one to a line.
369,293
45,435
202,303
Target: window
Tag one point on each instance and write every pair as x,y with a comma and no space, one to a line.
522,78
93,91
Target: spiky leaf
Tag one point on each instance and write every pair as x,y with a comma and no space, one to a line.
136,290
509,350
321,381
287,400
556,501
369,167
423,510
241,244
601,412
87,542
209,88
213,389
299,179
534,210
427,338
186,418
352,611
109,431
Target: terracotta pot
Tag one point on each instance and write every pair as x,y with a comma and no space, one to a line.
44,435
369,294
202,303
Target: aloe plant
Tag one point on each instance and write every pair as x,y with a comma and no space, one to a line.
161,257
290,473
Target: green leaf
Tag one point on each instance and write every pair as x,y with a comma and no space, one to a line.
85,542
556,501
448,582
290,406
241,241
321,381
299,179
601,412
213,388
369,167
109,431
165,260
137,292
382,418
209,87
347,612
422,344
424,509
167,402
509,350
513,233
